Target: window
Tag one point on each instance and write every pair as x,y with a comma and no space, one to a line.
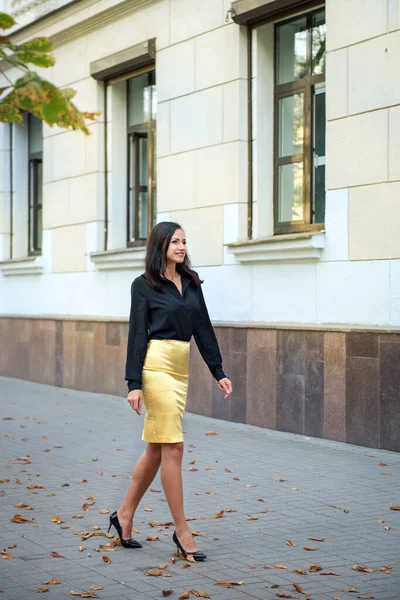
141,129
299,109
35,161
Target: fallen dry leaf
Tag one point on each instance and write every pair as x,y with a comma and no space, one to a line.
351,591
56,555
218,515
199,594
395,508
155,573
83,594
4,480
314,539
386,527
154,490
252,518
106,559
280,595
56,519
95,588
366,597
166,593
300,571
211,433
329,573
193,469
42,590
77,516
282,479
315,569
290,543
21,505
11,546
299,589
81,548
383,464
384,568
21,519
363,569
310,548
186,594
6,556
153,538
148,509
185,566
105,511
228,584
250,485
279,566
53,581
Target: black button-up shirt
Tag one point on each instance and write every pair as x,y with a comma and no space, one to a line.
168,315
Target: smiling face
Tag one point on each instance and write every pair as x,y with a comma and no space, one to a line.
177,248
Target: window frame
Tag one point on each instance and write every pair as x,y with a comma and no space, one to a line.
150,127
306,86
34,160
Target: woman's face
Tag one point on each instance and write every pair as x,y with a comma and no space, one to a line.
177,248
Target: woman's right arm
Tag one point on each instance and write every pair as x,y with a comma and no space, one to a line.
137,337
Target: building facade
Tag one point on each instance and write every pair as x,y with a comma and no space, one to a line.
269,129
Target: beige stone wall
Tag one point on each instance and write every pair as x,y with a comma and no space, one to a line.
363,111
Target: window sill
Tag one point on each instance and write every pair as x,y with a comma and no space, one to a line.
117,260
298,247
31,265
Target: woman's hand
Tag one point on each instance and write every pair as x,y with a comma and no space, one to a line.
226,386
135,400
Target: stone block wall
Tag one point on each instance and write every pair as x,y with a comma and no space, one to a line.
339,385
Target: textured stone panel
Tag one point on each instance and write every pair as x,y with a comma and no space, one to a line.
335,386
389,396
290,403
261,378
362,344
362,401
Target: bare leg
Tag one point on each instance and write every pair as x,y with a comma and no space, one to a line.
171,479
143,474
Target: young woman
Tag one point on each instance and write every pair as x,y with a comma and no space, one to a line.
167,309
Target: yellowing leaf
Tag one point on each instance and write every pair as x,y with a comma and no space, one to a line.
218,515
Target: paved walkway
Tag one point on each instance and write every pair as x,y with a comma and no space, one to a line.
61,449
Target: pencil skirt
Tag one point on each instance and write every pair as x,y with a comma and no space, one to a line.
165,383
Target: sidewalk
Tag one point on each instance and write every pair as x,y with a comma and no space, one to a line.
277,489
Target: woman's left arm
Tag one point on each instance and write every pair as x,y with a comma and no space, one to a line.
207,344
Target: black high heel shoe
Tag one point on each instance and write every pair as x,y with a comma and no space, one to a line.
114,522
198,556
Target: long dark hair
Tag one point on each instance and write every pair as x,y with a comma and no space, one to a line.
156,256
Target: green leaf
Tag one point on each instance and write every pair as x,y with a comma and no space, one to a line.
6,21
35,58
38,45
9,112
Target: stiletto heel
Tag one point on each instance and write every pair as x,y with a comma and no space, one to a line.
114,522
198,556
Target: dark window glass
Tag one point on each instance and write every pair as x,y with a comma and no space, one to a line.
142,113
35,145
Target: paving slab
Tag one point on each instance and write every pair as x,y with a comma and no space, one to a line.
69,454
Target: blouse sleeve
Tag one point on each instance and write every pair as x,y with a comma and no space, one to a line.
137,338
206,341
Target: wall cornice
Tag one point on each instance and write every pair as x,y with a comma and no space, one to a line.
71,22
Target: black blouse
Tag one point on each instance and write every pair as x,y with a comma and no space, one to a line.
168,315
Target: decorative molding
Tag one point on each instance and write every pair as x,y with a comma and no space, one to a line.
31,265
90,18
306,247
117,260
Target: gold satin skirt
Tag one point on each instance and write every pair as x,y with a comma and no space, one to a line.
165,384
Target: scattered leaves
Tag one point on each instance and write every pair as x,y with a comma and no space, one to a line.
363,569
228,584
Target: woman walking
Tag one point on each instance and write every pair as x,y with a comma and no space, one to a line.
167,309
